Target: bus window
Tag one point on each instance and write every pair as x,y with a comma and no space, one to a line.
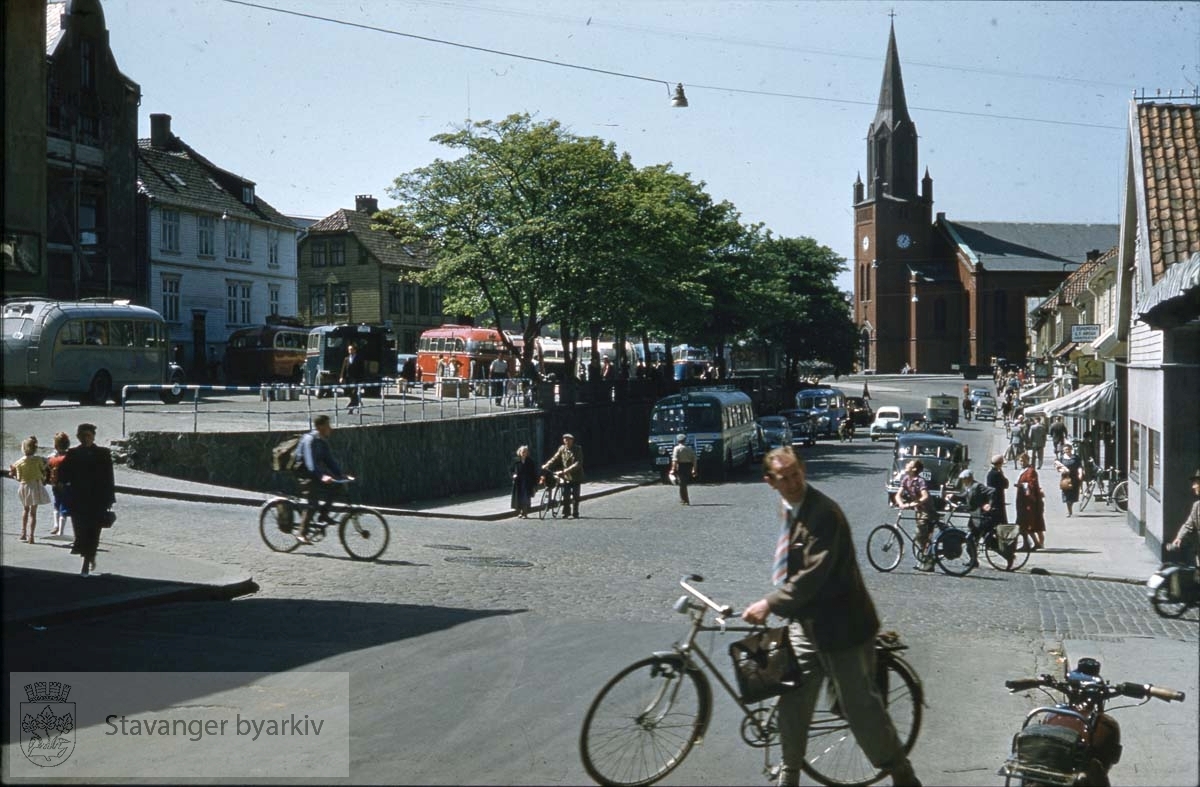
143,334
96,332
120,333
71,334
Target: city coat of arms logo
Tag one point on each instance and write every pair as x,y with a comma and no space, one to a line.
47,723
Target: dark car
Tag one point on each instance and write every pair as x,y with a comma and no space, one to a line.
860,410
804,425
776,430
944,458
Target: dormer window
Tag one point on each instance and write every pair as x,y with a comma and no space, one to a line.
248,195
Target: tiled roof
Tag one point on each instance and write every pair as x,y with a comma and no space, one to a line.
183,178
1077,281
1170,159
380,243
1017,246
54,11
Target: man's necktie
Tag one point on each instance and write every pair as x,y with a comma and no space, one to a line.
779,567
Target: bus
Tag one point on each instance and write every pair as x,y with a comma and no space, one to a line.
719,426
825,405
473,348
87,350
327,349
266,353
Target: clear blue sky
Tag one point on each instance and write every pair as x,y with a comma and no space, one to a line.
316,113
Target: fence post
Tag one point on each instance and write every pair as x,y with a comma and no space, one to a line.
274,392
196,410
124,404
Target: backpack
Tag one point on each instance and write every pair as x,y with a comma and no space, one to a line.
285,457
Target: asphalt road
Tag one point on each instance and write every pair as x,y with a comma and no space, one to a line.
474,648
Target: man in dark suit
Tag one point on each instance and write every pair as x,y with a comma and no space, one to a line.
352,372
833,623
87,472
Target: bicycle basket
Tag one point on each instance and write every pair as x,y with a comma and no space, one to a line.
952,543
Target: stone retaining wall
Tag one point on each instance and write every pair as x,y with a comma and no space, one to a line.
402,462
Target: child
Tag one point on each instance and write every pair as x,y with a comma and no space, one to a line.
61,510
30,470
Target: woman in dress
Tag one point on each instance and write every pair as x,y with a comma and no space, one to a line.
1031,520
524,479
1071,470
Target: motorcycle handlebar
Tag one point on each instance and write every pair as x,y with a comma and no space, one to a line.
1140,691
1021,684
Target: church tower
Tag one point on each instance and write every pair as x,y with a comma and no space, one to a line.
892,228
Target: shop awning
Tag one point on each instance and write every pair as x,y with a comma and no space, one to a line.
1041,389
1062,351
1175,299
1098,402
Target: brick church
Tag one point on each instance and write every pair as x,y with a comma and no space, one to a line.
940,294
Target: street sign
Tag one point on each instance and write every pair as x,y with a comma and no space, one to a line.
1085,333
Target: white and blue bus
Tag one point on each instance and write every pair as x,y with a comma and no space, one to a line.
826,407
719,426
87,350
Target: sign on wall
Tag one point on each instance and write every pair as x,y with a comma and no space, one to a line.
1086,332
1091,370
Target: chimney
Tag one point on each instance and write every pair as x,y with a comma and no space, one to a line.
365,203
1092,255
160,131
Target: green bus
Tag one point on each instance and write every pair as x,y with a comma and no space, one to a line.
718,423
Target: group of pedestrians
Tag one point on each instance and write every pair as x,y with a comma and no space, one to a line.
80,479
564,468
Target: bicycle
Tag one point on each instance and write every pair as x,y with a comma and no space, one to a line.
1103,485
551,501
362,530
647,718
948,548
988,540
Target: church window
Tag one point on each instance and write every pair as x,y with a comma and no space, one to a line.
1001,311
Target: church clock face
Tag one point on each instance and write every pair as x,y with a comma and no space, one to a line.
903,240
866,243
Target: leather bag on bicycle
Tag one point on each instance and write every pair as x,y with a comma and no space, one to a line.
764,664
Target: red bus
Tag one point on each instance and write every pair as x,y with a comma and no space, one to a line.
472,348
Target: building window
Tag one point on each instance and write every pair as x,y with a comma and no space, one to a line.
170,230
273,248
410,299
394,298
363,257
206,234
316,300
273,299
237,239
1135,449
337,251
87,65
423,300
1153,463
436,294
237,309
318,254
170,298
341,299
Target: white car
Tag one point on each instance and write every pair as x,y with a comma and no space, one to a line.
887,424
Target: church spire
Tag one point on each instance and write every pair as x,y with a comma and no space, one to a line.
892,138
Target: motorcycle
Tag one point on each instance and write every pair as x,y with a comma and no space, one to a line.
846,430
1073,742
1174,589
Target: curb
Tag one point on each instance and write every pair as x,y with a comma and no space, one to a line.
170,594
1038,571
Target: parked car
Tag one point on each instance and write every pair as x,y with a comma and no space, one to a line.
943,456
985,409
776,431
887,424
803,424
860,410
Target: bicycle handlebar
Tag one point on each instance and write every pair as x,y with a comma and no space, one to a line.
724,611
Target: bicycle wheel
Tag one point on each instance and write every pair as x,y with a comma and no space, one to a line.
275,523
950,550
833,756
644,722
1164,605
997,552
549,505
885,547
1119,497
364,533
1086,495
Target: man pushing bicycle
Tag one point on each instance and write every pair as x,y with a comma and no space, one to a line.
320,472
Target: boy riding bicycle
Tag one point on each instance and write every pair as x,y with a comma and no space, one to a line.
317,478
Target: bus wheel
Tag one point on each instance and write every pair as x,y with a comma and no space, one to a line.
100,389
30,399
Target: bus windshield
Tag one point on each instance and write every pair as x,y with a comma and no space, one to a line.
685,417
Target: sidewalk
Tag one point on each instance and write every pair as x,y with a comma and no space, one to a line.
1095,543
38,592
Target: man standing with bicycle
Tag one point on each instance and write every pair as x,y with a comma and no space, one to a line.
568,461
321,469
833,623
